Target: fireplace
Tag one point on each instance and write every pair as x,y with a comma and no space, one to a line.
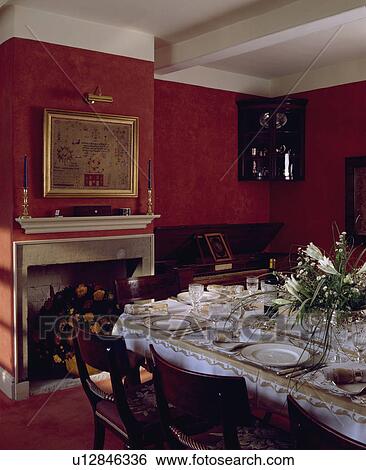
39,264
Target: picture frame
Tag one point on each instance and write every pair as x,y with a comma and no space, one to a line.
218,246
355,204
89,155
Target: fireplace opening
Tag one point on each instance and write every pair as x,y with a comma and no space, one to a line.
58,281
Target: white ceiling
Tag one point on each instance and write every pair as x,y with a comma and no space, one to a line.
168,20
294,56
256,39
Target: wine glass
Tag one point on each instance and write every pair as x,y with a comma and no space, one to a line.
196,292
340,332
252,285
223,322
358,333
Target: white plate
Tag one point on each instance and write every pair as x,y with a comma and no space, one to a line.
206,297
275,354
164,323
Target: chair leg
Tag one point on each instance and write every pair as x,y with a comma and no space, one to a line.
267,418
134,376
99,434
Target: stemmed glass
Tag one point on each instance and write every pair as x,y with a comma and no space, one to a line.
358,330
340,332
196,292
224,323
252,285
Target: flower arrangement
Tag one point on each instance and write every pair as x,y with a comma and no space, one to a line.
51,350
326,284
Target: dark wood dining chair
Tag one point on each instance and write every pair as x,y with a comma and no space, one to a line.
158,287
218,407
310,433
130,410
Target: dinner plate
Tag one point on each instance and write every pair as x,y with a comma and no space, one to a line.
275,354
164,323
206,297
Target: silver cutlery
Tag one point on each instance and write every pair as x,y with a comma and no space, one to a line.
290,370
304,371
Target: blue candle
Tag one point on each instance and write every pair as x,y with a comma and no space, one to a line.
25,183
149,176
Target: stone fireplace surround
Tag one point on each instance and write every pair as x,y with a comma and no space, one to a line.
62,251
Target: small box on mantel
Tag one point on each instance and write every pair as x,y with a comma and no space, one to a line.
89,211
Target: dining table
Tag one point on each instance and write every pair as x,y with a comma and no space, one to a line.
193,348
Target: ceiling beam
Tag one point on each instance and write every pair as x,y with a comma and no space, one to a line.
288,22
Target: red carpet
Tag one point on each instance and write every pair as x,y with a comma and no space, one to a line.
62,420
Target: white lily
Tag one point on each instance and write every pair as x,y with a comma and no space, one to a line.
313,251
293,287
362,269
326,265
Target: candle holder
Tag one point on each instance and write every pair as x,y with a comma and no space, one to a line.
25,214
149,203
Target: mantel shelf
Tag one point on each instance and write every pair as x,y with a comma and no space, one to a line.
84,224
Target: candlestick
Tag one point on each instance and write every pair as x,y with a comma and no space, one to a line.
25,173
25,214
149,176
149,203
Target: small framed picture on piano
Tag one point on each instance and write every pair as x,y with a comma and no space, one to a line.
218,246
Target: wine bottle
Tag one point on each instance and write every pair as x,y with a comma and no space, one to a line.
270,285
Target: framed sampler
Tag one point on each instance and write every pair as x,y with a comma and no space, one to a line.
356,198
90,155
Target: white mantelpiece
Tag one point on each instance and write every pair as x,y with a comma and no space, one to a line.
84,224
29,254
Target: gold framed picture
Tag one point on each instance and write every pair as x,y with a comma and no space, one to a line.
90,155
218,247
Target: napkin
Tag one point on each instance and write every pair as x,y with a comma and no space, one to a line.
214,288
226,290
342,376
148,309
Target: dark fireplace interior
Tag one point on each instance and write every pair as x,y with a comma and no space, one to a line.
44,281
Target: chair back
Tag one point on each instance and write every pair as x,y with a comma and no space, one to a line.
309,433
158,287
216,400
92,350
106,353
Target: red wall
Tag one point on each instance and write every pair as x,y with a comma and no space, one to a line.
6,206
195,139
35,76
52,76
335,129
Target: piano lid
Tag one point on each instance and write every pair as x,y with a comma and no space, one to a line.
173,243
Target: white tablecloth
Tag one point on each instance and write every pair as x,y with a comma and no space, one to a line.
266,390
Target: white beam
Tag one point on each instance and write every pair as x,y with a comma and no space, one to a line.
220,80
274,27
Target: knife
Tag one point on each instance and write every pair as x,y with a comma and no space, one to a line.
304,371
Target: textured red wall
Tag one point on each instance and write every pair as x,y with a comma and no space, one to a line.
52,76
335,129
6,207
195,139
35,76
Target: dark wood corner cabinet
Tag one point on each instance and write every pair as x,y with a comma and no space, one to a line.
271,139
